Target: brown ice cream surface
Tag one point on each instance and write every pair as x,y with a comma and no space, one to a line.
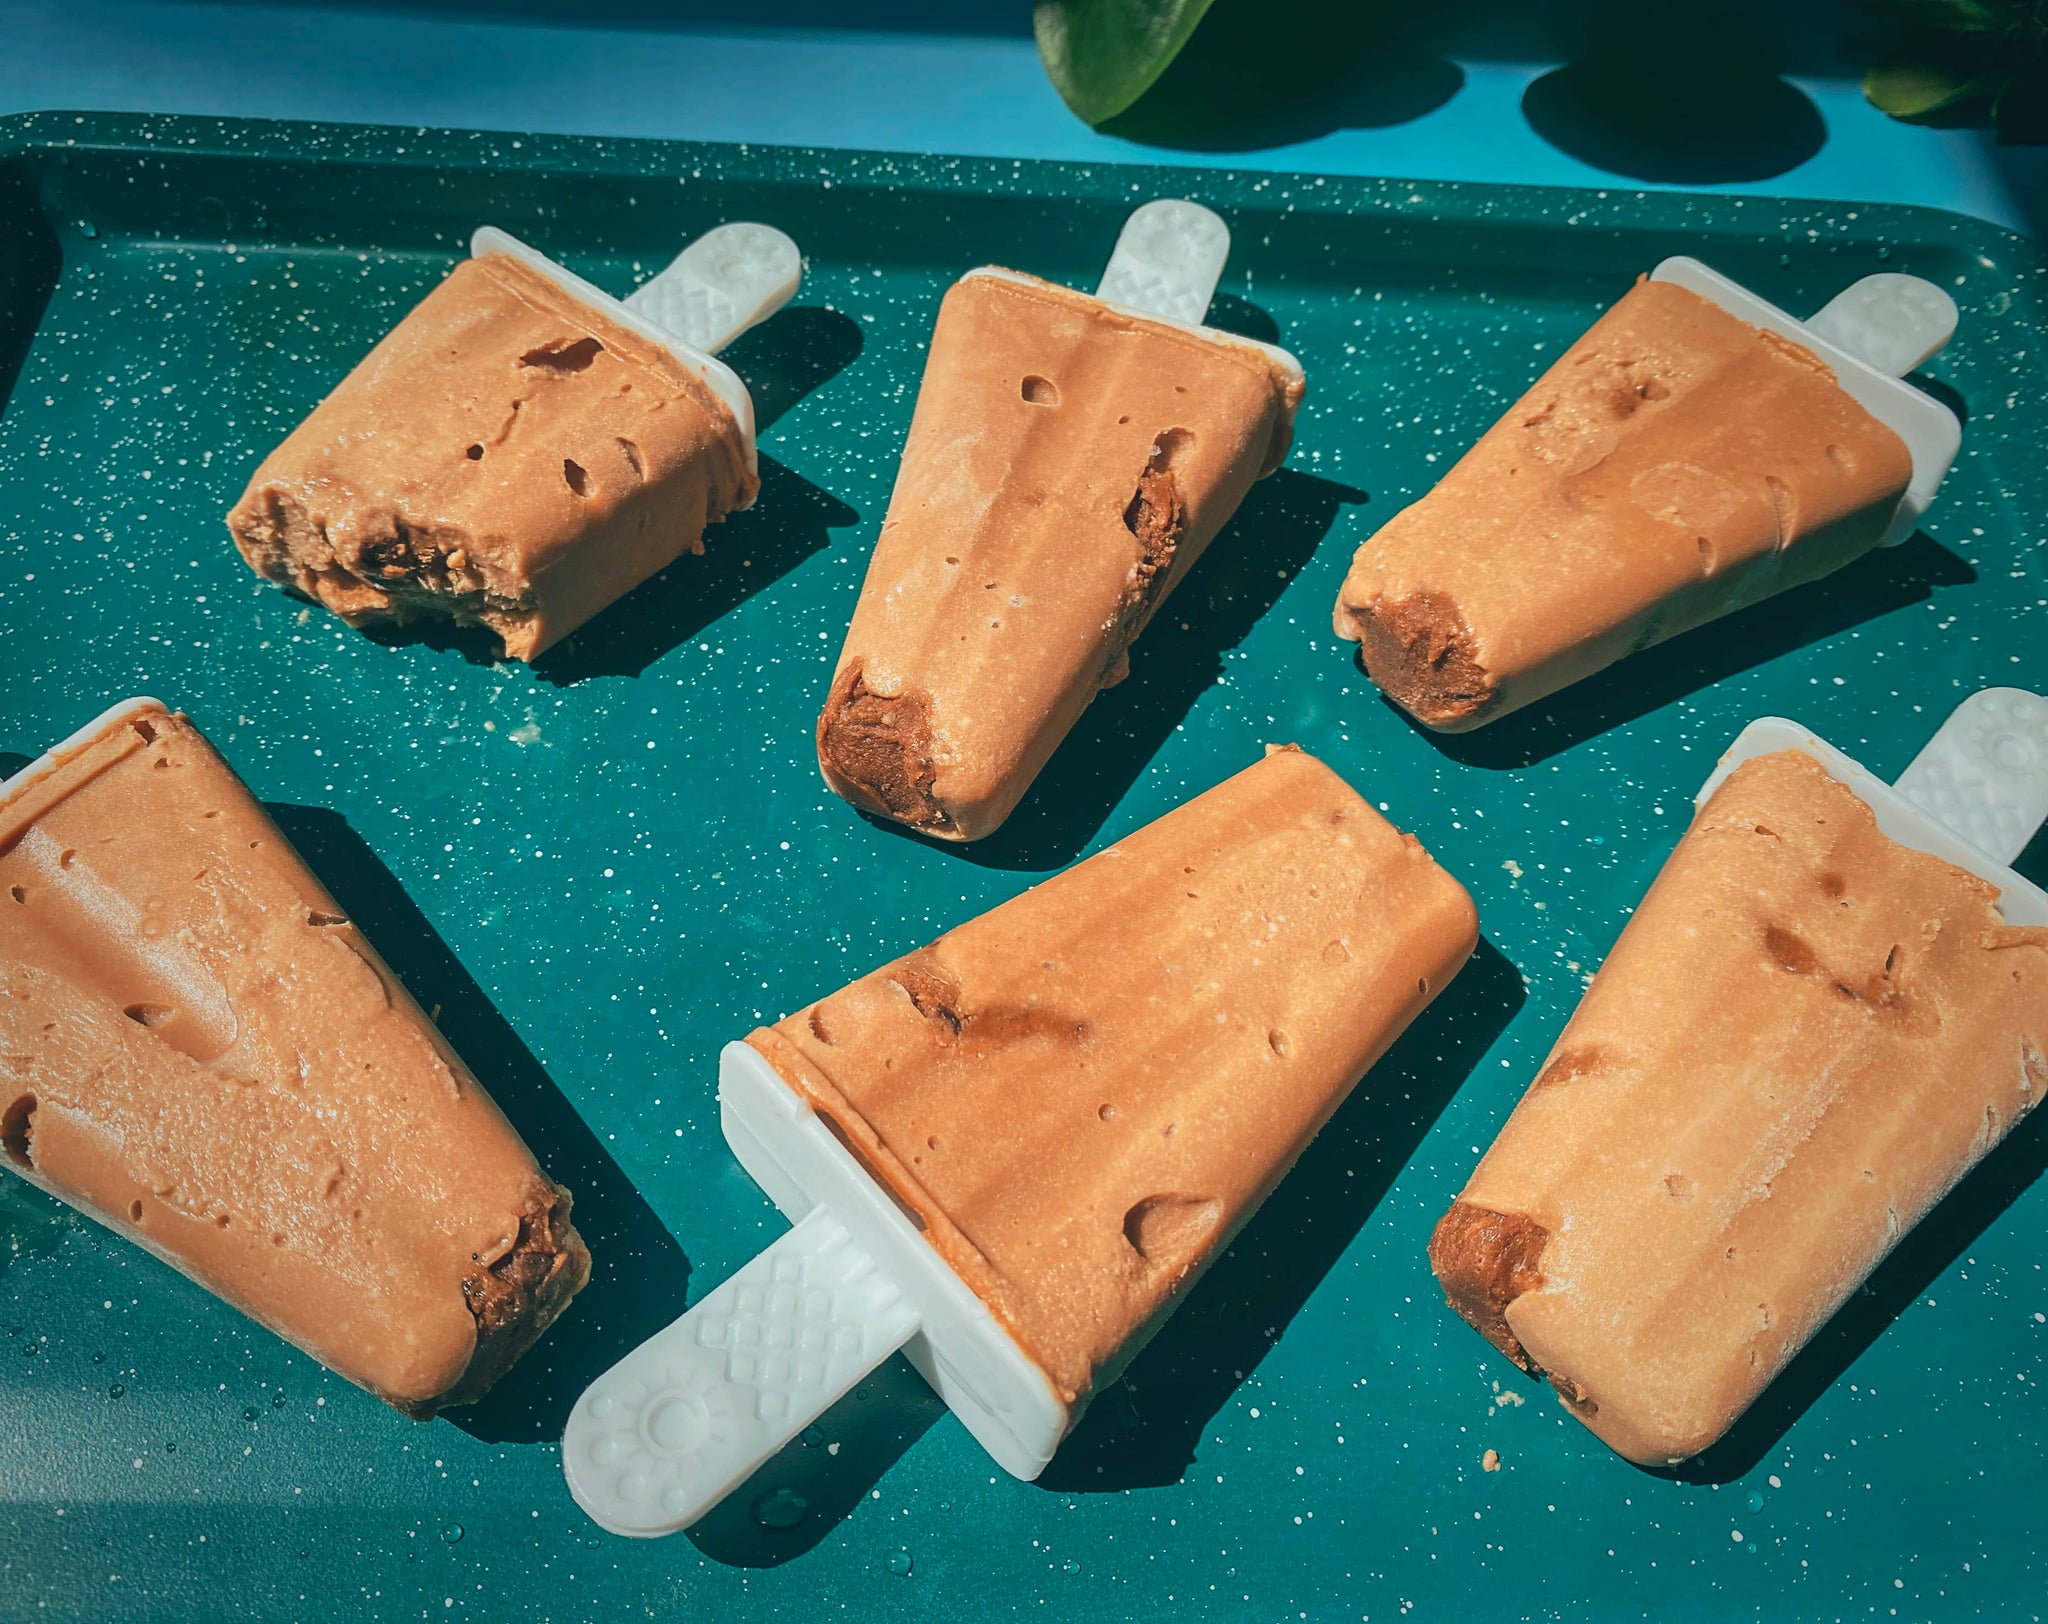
1804,1038
506,456
200,1050
1083,1093
1066,464
1675,464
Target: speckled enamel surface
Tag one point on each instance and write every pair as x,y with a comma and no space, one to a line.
602,868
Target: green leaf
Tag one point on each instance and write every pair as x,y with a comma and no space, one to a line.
1104,54
1912,93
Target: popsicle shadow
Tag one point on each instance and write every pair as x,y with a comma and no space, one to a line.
30,262
638,1272
1142,1433
1180,655
1901,1280
2033,862
813,1486
1876,584
792,520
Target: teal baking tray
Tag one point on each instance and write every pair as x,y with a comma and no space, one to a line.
602,868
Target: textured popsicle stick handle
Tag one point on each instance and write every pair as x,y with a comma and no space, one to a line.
1168,260
1985,773
723,283
695,1410
1893,321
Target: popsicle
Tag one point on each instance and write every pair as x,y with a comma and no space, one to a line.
198,1049
522,449
1010,1152
1832,1004
1069,459
1696,451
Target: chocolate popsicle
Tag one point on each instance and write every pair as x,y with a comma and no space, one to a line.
520,451
1675,464
1807,1034
198,1049
1083,1093
1069,459
1010,1152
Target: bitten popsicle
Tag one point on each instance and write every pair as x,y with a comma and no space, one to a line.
198,1049
1069,460
1010,1152
1696,451
1832,1003
523,450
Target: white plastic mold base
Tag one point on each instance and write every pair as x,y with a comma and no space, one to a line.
1982,778
693,1412
1894,322
726,281
998,1393
71,743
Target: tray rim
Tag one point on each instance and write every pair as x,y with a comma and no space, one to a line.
264,139
740,161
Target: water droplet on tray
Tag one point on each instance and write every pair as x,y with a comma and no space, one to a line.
1756,1500
116,1390
780,1508
452,1534
1070,1566
812,1436
900,1563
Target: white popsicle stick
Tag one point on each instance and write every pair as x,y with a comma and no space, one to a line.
1985,773
692,1413
1869,334
1974,797
1168,259
1893,321
726,281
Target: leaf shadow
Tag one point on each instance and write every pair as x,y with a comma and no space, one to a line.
1243,82
1878,583
1143,1432
1678,95
638,1272
1916,1263
1177,658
